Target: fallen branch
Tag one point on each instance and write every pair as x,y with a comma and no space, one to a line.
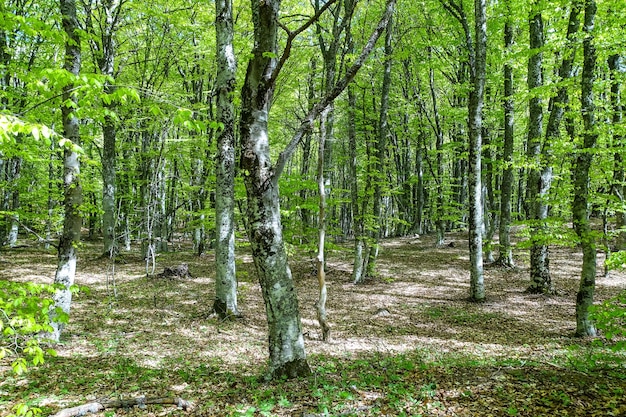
141,402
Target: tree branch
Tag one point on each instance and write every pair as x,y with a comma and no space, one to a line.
291,36
97,406
328,99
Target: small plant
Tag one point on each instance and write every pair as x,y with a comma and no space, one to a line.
610,316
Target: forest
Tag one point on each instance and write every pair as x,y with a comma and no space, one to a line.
319,208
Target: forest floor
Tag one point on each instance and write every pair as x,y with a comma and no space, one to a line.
408,343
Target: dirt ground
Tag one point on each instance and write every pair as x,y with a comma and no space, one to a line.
134,335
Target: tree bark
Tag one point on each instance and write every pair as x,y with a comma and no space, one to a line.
540,280
504,233
478,71
359,229
72,221
381,151
580,205
225,304
106,62
439,179
286,343
97,406
616,65
321,273
540,276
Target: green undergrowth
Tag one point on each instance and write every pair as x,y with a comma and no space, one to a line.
419,383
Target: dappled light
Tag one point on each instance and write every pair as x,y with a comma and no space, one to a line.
158,336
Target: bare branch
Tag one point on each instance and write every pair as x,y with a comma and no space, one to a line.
328,99
292,35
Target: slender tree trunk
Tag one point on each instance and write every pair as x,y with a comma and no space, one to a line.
489,202
305,214
106,62
51,200
321,273
439,179
381,150
505,252
14,167
357,215
540,281
225,304
68,244
540,276
619,177
475,106
580,205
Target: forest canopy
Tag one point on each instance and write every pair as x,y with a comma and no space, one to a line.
284,129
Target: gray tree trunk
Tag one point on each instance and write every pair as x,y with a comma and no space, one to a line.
505,257
381,151
286,343
225,304
475,106
617,65
321,273
540,281
439,179
106,61
357,215
540,277
580,205
72,222
14,166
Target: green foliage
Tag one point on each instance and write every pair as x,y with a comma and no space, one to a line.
617,260
610,318
25,313
11,127
24,316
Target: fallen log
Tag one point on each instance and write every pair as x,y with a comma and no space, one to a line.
140,402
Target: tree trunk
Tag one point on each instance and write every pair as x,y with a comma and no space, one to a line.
106,63
580,205
225,304
439,202
381,150
505,253
357,215
540,281
619,178
286,343
489,202
72,222
321,273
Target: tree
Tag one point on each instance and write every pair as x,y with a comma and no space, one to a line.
225,304
107,14
286,344
537,209
477,58
616,66
584,157
380,152
505,253
72,221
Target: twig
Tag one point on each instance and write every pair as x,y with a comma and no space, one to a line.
39,238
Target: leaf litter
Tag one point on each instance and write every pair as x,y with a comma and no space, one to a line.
405,343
